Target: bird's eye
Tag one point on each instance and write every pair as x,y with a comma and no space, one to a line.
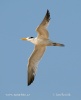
30,37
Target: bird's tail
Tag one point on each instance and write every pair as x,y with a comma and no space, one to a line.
58,44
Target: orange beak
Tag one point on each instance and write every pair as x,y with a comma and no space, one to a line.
24,39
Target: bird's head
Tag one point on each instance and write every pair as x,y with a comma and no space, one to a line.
27,39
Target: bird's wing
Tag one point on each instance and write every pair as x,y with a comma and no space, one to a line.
33,62
41,29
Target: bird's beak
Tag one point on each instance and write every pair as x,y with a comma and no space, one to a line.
24,39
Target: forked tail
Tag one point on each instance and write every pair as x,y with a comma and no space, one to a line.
58,44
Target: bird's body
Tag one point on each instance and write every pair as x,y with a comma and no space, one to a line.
41,41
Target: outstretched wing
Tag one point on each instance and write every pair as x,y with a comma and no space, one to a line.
41,29
33,62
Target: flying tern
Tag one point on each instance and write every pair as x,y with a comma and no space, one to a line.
41,41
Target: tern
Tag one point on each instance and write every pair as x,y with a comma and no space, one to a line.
41,41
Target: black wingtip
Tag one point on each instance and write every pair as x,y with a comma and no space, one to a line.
48,15
47,10
31,80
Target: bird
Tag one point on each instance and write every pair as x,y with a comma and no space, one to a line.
41,42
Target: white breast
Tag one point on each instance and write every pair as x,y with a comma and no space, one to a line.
44,42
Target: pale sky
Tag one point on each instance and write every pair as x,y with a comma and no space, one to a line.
59,71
